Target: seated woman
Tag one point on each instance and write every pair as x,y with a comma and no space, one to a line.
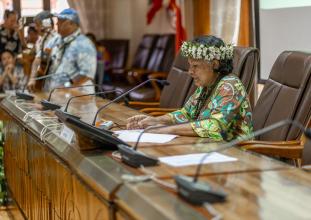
11,75
219,109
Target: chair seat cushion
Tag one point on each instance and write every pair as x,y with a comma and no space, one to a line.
143,95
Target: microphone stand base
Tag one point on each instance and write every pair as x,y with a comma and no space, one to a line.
49,105
197,193
134,158
25,96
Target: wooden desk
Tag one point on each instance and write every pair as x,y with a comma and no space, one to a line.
50,179
267,195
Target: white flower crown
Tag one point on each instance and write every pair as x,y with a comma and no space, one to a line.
201,51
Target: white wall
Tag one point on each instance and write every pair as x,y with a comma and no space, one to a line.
283,29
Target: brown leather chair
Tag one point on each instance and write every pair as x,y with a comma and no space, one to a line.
118,49
245,63
172,96
286,95
161,59
141,57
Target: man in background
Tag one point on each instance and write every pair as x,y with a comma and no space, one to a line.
73,54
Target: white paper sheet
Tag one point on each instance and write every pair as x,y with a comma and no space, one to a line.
132,136
194,159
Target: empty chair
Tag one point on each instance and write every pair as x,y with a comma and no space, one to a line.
161,59
173,95
141,57
118,49
286,95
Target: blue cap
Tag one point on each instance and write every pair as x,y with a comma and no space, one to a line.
69,14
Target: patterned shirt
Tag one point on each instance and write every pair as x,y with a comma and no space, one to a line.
227,110
9,41
71,56
21,79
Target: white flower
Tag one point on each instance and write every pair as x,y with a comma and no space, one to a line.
201,51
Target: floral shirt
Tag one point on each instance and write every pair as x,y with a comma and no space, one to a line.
226,111
71,56
21,79
9,41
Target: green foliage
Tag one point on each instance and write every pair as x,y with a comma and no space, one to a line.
3,191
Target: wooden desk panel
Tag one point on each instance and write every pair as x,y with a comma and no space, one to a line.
247,162
59,182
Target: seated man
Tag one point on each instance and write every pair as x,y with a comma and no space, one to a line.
219,109
11,75
73,55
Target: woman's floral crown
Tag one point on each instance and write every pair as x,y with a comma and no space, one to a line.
201,51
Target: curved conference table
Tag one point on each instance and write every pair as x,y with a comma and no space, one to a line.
51,179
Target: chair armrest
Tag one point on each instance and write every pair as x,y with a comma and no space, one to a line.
158,75
278,143
143,104
119,71
138,73
286,151
164,110
155,114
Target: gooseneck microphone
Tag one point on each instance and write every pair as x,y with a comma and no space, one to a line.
197,192
89,94
134,158
48,105
69,87
162,82
26,96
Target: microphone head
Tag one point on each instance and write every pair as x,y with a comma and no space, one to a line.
163,82
25,96
134,158
49,105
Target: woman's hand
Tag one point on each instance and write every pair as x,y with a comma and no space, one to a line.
132,122
141,122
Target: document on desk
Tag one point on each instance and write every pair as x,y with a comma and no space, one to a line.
195,159
132,136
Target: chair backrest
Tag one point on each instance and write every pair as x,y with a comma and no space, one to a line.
245,62
144,50
286,95
173,95
99,75
118,49
162,55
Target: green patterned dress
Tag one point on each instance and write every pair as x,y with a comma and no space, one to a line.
227,110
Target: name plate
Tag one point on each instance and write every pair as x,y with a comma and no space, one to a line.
67,134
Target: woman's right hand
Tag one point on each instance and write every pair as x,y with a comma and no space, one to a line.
141,122
132,122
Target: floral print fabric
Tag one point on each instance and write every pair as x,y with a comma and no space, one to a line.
225,115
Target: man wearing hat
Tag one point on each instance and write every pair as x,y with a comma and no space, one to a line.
73,54
45,27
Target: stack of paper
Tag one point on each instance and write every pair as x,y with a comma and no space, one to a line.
195,159
132,136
